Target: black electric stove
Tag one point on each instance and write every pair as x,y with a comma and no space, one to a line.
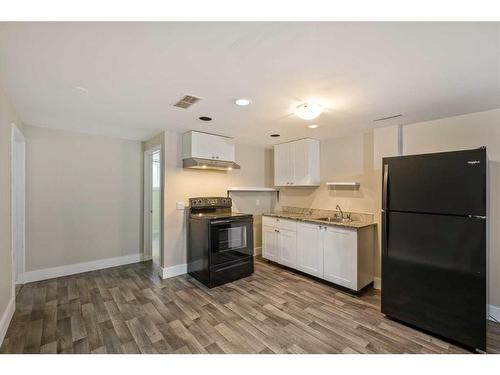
220,242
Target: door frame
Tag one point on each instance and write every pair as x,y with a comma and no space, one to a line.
18,218
147,234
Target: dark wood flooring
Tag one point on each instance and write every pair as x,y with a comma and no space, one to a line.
130,310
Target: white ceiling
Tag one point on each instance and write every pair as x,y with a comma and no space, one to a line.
134,72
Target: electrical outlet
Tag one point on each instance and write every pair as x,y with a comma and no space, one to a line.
180,205
257,202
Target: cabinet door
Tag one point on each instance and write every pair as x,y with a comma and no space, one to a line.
283,164
210,146
270,249
309,249
224,149
287,244
340,256
300,163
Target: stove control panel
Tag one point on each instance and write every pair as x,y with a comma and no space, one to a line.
210,202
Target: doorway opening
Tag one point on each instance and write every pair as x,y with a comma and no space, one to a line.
153,197
18,204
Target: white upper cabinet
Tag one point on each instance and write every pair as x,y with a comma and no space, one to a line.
297,163
207,146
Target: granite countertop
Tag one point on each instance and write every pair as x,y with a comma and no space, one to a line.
359,220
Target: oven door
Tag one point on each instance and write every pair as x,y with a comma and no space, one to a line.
230,240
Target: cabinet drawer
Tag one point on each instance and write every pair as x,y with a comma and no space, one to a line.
280,223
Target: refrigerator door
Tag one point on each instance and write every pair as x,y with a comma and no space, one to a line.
451,183
434,274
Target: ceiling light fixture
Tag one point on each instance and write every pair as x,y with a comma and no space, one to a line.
313,126
308,111
242,102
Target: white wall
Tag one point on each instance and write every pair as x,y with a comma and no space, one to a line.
465,132
7,117
84,198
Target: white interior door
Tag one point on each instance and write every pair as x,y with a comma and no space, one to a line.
18,202
153,192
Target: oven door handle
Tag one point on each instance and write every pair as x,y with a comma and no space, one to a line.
221,222
233,221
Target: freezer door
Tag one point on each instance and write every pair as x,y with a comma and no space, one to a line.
434,274
446,183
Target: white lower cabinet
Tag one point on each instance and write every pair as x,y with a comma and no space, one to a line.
343,256
270,243
309,249
340,256
287,245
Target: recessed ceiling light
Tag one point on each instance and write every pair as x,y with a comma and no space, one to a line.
82,89
205,118
274,135
242,102
308,111
313,126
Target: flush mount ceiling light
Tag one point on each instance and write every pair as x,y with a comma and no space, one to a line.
313,126
242,102
308,111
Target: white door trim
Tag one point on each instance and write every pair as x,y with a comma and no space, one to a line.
18,198
147,239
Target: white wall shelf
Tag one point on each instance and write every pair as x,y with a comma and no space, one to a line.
344,184
237,188
254,189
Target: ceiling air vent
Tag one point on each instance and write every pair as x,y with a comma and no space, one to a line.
187,101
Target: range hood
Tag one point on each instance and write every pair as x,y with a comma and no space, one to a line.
208,151
198,163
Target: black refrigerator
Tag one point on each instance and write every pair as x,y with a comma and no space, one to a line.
434,243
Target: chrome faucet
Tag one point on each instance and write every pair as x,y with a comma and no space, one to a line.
341,212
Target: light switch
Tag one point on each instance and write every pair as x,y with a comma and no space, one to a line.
179,205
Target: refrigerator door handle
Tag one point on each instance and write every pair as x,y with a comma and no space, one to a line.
385,232
385,186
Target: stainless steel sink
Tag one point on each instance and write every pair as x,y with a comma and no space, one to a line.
334,219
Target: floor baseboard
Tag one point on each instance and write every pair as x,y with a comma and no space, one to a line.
7,317
71,269
494,313
173,271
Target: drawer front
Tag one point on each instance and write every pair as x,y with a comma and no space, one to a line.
280,223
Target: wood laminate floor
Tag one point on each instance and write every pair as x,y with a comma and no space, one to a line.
129,310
